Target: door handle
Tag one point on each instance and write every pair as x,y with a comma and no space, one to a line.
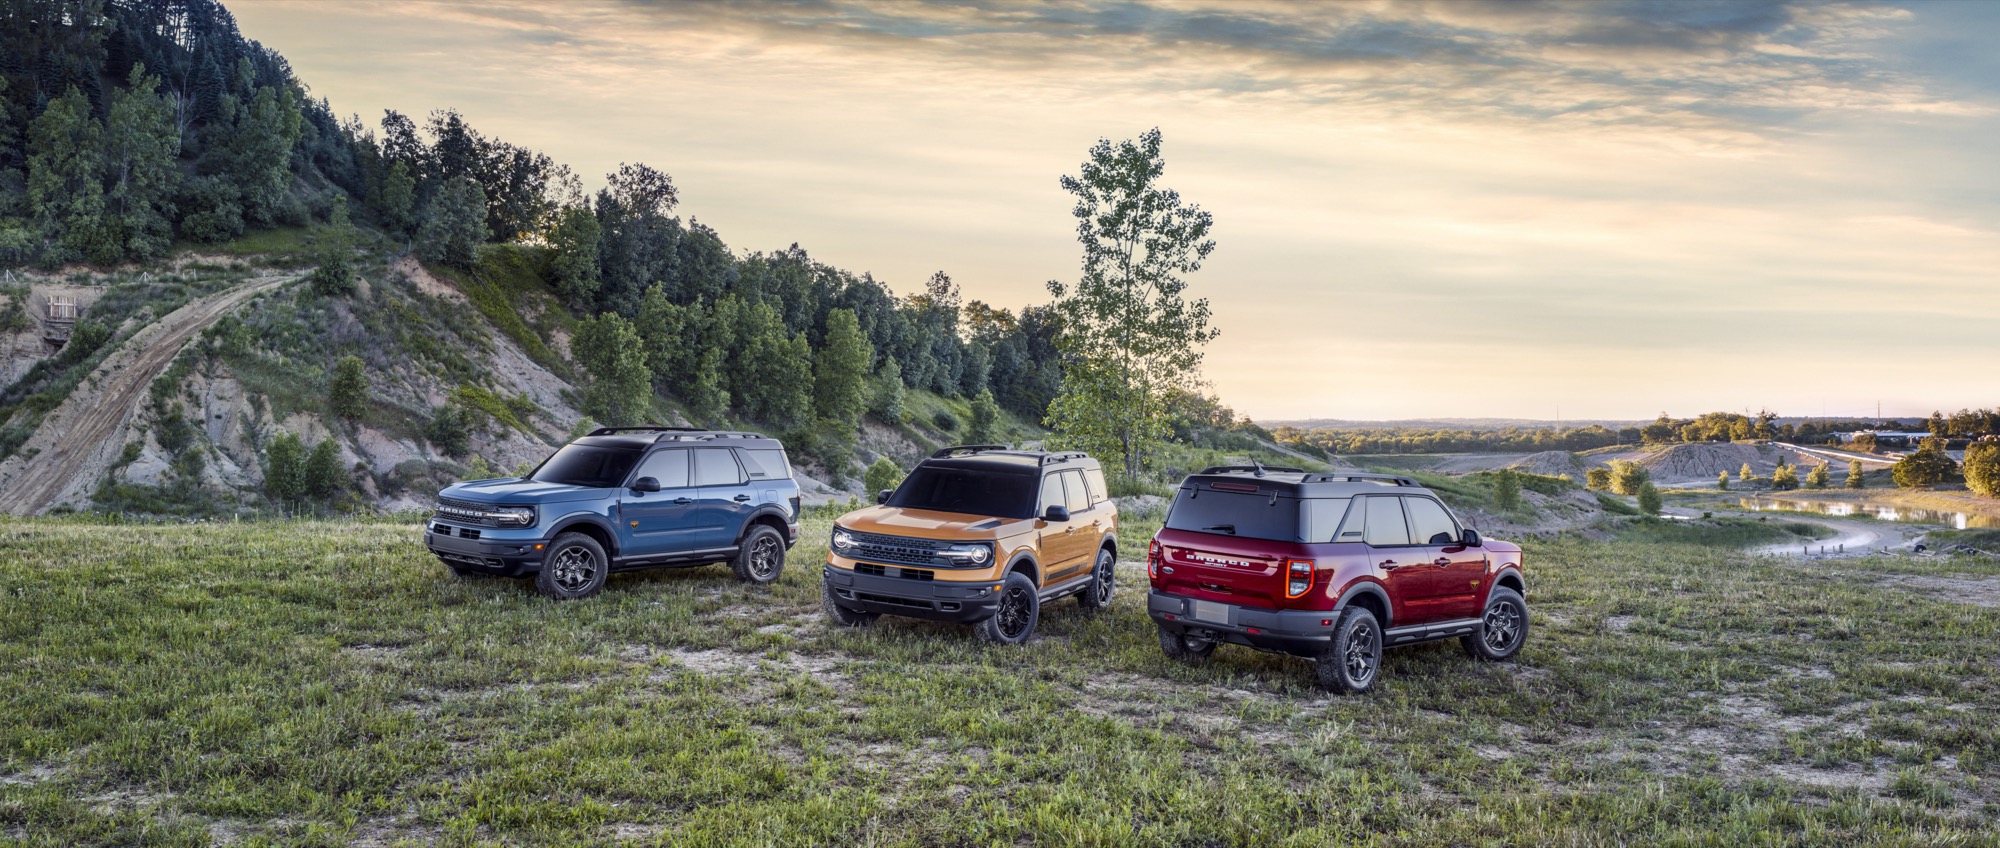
742,498
683,500
1441,562
1389,563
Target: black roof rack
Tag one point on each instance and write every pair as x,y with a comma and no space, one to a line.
1064,456
644,428
677,434
954,450
1360,477
1259,470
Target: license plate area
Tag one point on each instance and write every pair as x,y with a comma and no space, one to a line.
1211,612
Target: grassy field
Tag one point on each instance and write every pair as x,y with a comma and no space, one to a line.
330,684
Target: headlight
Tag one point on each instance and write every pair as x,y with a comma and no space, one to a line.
842,540
975,554
513,516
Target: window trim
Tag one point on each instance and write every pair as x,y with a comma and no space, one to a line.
1398,499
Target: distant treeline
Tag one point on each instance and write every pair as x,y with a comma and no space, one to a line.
129,125
1708,427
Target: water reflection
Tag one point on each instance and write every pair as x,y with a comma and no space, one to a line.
1958,520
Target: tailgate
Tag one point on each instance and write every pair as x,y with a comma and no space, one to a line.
1222,568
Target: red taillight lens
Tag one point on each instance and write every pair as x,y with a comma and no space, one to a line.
1153,559
1298,577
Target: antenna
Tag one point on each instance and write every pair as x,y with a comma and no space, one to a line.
1257,465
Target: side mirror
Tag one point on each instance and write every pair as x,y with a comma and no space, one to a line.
1056,512
1471,538
646,484
882,497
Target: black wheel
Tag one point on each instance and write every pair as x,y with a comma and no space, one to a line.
574,568
1354,660
762,557
1019,609
1503,628
1187,649
843,616
1102,581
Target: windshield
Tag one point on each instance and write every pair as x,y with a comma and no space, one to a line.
589,466
986,492
1252,516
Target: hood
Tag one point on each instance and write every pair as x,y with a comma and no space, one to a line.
516,490
930,524
1498,547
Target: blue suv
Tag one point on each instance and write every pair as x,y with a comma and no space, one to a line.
626,498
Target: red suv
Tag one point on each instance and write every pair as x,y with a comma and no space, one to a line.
1333,567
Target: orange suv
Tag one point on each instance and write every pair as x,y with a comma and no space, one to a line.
977,534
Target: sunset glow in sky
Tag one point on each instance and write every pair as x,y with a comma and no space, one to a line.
1423,209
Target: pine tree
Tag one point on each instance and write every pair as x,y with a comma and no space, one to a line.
347,394
1817,477
65,179
1856,477
454,225
399,200
142,152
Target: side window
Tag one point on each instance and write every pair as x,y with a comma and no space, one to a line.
1430,523
1052,494
716,467
1099,493
1320,518
1385,522
764,464
670,467
1079,498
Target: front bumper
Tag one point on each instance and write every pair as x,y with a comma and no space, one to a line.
932,600
1303,633
507,557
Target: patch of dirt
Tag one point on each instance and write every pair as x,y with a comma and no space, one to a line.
1550,464
1979,592
1701,462
425,281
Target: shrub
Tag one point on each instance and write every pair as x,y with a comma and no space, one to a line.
323,477
1927,466
1597,479
1817,477
1627,476
1649,498
883,474
1982,467
347,393
1722,480
1784,477
285,469
1855,478
1747,474
1507,490
945,421
985,414
450,429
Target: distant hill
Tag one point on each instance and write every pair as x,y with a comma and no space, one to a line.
1449,423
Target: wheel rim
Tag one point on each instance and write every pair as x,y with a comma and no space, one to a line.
1014,612
1104,575
764,557
575,568
1503,625
1359,661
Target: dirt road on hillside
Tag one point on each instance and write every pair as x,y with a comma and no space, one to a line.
76,442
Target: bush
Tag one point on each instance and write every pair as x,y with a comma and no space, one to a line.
1649,498
1627,476
1855,476
1747,474
323,477
1817,477
883,474
1722,481
1785,477
450,429
1927,466
1982,467
945,421
347,394
1597,479
285,469
1507,490
985,414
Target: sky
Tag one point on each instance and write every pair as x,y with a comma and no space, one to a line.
1512,209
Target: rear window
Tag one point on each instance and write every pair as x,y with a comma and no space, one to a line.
589,466
983,492
1251,516
1099,493
765,463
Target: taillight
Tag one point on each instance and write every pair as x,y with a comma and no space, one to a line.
1298,577
1153,559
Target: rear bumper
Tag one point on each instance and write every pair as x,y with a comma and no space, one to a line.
1300,632
931,600
505,557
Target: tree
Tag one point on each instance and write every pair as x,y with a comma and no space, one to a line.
985,417
251,146
883,474
399,200
1130,333
454,225
1817,477
285,469
621,386
1649,498
347,392
334,273
65,179
1627,476
774,372
1982,467
888,400
142,152
1784,477
450,429
1926,466
322,476
1855,476
1722,481
1747,473
573,243
1507,489
840,372
1597,479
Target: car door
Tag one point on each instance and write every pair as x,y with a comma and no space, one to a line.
725,497
1458,569
664,521
1078,542
1056,540
1401,565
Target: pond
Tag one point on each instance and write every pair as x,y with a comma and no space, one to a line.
1948,518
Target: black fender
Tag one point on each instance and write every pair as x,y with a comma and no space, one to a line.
1372,590
1501,576
767,510
594,521
1028,559
1110,540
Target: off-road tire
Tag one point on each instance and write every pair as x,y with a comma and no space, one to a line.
1503,627
1354,661
1187,649
574,568
1020,608
1103,581
840,615
761,559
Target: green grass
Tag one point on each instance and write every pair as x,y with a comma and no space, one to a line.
507,286
1719,532
327,683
